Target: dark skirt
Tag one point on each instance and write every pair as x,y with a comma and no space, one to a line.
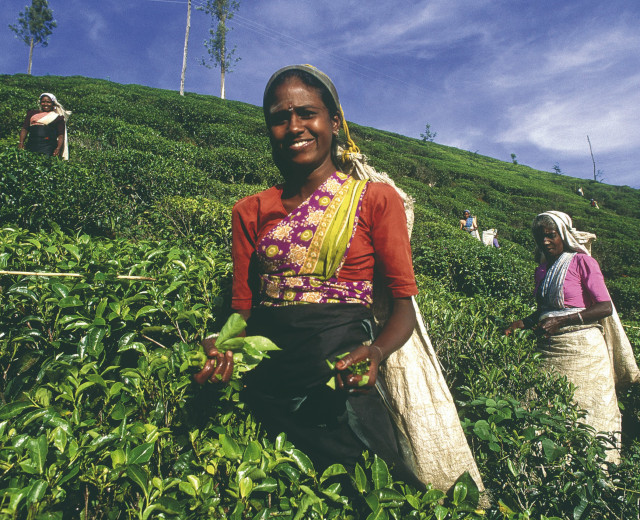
288,393
42,139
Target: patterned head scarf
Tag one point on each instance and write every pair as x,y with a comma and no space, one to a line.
571,238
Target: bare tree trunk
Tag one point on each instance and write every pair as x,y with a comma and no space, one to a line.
223,50
186,45
30,55
592,159
222,81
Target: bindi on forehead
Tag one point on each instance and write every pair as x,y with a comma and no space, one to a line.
293,94
291,106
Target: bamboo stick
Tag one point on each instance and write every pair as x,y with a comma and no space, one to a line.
72,275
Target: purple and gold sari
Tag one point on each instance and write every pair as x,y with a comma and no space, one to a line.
312,317
300,257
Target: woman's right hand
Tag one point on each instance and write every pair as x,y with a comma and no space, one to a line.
218,367
20,146
518,324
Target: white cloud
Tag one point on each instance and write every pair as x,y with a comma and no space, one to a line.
94,23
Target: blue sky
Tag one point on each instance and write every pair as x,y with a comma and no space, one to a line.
498,77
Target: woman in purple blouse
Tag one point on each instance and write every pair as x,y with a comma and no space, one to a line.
572,301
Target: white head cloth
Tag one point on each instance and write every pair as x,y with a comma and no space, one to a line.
59,109
572,238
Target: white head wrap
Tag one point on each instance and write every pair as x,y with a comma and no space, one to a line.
572,239
50,95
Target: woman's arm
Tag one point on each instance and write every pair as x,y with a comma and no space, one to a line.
384,216
395,333
591,282
597,311
23,136
529,322
58,149
219,366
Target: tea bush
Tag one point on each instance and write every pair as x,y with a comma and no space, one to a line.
469,267
36,189
101,418
536,456
98,418
194,220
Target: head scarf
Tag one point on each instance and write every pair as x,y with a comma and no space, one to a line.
309,69
59,109
572,239
353,162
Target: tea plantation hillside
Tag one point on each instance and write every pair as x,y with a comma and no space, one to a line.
99,417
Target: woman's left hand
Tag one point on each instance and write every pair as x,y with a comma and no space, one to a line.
354,382
549,326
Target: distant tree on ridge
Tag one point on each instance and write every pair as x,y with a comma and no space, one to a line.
34,26
428,134
221,11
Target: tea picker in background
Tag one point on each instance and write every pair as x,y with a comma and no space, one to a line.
304,254
489,237
470,224
580,191
46,128
574,309
594,204
494,243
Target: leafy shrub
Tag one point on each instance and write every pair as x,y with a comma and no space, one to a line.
469,267
536,456
541,457
239,166
216,135
625,294
195,220
100,416
35,189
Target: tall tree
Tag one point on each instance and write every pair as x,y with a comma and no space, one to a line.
186,45
34,26
221,11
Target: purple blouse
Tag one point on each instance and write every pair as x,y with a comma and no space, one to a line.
584,284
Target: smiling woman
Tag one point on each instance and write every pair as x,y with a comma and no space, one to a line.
46,128
305,254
